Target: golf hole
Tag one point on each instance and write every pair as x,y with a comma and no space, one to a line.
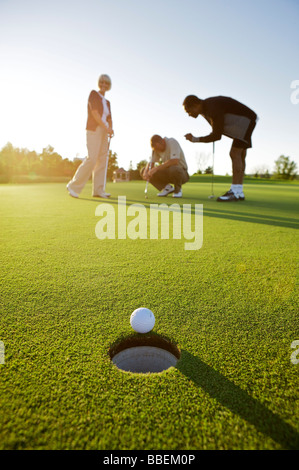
144,354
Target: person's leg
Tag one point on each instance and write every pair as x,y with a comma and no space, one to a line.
237,156
163,179
244,153
178,176
235,193
98,175
84,171
160,179
240,188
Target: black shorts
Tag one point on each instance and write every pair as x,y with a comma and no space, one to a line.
246,143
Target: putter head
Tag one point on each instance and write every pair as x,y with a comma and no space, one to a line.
211,197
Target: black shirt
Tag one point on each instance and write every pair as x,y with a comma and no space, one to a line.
214,111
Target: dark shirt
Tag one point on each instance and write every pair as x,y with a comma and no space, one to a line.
214,111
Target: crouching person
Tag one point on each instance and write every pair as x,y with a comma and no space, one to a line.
172,173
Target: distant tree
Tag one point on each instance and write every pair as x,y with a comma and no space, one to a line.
135,173
112,165
141,165
209,170
267,174
285,168
261,171
51,162
69,167
201,160
7,160
15,161
32,160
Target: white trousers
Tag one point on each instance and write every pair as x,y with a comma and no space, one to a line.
94,164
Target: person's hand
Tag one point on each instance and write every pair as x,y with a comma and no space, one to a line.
110,131
152,171
144,175
144,172
189,137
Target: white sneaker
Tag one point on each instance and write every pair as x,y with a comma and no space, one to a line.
102,194
179,194
167,190
241,196
71,192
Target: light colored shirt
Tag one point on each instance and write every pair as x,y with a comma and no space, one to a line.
172,150
105,110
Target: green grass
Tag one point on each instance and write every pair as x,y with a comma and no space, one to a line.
231,307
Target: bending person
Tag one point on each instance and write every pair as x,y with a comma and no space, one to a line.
233,119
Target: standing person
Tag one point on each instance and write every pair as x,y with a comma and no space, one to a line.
233,119
98,129
173,169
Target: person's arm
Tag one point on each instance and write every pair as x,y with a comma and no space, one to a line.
150,165
94,103
109,120
167,164
216,134
98,118
145,173
110,128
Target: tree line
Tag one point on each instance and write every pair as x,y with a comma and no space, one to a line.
283,168
21,161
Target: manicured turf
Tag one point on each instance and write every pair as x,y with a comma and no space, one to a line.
231,307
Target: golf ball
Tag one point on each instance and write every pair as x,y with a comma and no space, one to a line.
142,320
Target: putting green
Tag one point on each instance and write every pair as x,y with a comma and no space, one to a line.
231,307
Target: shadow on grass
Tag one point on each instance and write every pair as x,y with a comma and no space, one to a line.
256,218
238,401
221,213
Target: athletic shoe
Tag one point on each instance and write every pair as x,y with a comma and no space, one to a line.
71,192
241,196
167,190
229,196
178,194
102,194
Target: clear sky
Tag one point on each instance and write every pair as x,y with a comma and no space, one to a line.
156,52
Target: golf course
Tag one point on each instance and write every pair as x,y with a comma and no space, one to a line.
229,307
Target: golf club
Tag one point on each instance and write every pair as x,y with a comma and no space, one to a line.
150,166
212,195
